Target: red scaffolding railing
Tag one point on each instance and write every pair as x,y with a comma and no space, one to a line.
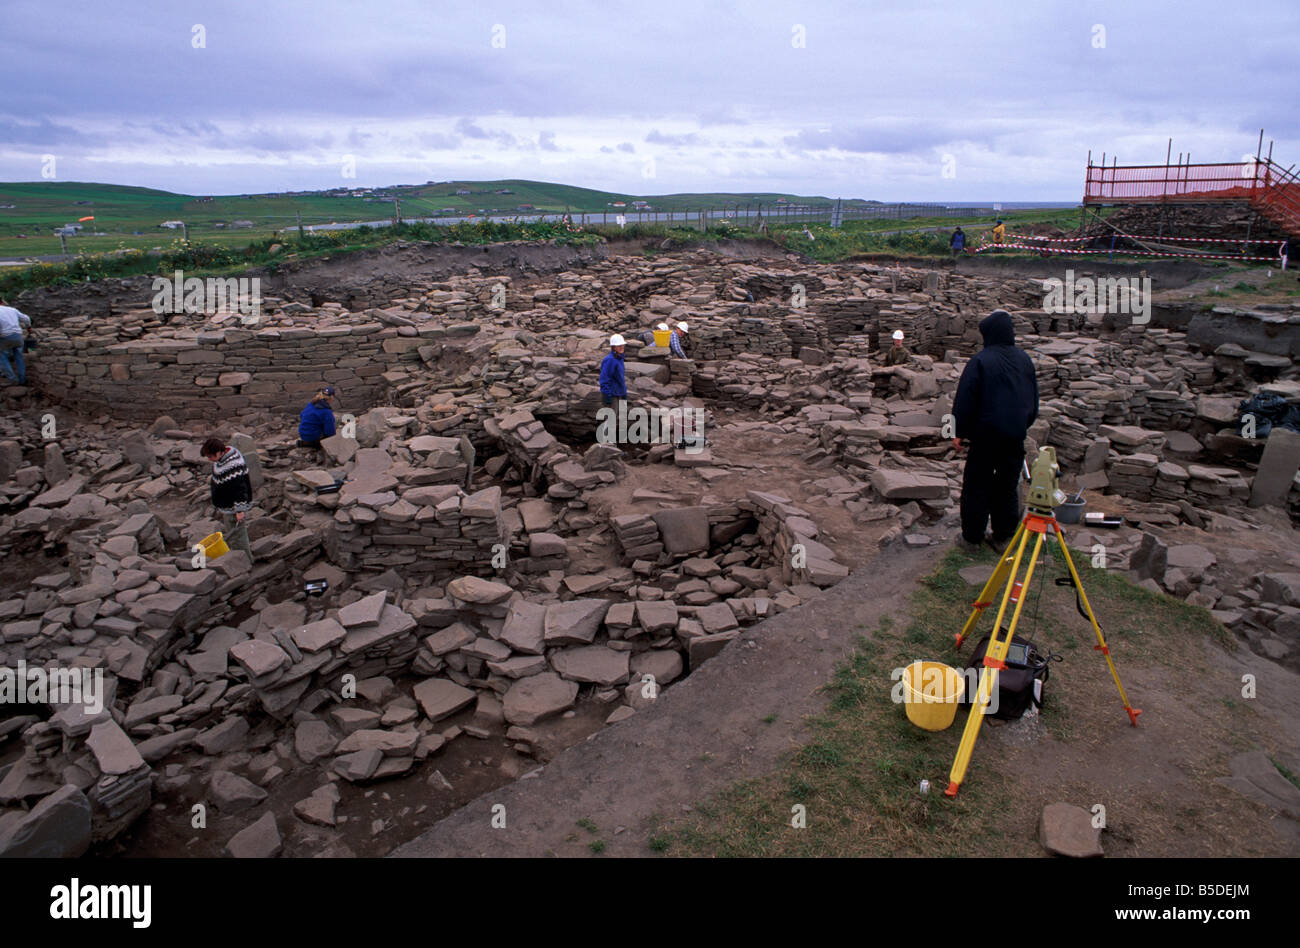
1272,190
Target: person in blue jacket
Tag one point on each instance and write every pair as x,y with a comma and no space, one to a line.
317,420
958,241
613,377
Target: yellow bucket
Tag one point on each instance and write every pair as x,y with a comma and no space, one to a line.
662,337
214,546
931,693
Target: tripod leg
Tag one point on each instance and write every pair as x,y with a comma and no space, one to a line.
995,582
993,660
1101,639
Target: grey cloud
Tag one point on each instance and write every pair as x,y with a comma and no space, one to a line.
439,141
44,134
657,137
882,137
470,129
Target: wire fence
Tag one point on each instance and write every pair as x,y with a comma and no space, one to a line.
743,214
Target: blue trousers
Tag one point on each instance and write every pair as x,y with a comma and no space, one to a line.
11,359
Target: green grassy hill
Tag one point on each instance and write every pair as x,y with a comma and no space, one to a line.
130,216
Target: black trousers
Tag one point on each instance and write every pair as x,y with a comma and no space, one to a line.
990,488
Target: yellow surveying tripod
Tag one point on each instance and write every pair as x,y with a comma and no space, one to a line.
1039,519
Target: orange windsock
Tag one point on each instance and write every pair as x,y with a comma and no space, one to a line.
82,219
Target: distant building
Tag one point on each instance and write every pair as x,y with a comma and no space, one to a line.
241,223
641,205
619,204
172,225
67,230
524,207
463,191
448,210
503,191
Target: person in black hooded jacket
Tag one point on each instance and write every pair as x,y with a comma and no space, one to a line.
996,402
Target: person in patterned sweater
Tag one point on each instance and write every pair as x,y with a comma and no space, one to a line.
232,492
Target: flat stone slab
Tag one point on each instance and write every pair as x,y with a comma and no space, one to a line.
482,592
392,623
440,698
1190,557
703,647
684,530
538,697
234,794
455,636
1067,830
313,740
56,828
663,664
261,840
575,622
1277,469
593,663
524,629
364,612
259,658
716,618
224,736
388,743
113,750
359,765
908,485
656,616
319,635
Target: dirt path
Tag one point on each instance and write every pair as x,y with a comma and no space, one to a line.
702,734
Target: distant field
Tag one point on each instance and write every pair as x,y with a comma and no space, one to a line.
128,217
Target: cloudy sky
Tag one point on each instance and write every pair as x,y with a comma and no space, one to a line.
911,100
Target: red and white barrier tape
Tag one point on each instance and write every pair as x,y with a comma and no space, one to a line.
1180,240
1124,253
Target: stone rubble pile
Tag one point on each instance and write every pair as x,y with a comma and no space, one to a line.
478,583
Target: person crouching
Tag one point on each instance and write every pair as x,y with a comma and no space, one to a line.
317,420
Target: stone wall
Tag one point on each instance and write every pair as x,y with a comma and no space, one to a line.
218,374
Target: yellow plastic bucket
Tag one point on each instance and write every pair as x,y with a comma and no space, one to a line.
662,337
214,546
931,693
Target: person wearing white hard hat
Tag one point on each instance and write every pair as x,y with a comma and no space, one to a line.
897,354
675,341
648,337
613,377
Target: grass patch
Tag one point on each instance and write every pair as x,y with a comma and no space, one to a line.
854,787
199,258
1286,772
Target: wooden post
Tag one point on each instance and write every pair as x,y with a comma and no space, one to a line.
300,235
1164,190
